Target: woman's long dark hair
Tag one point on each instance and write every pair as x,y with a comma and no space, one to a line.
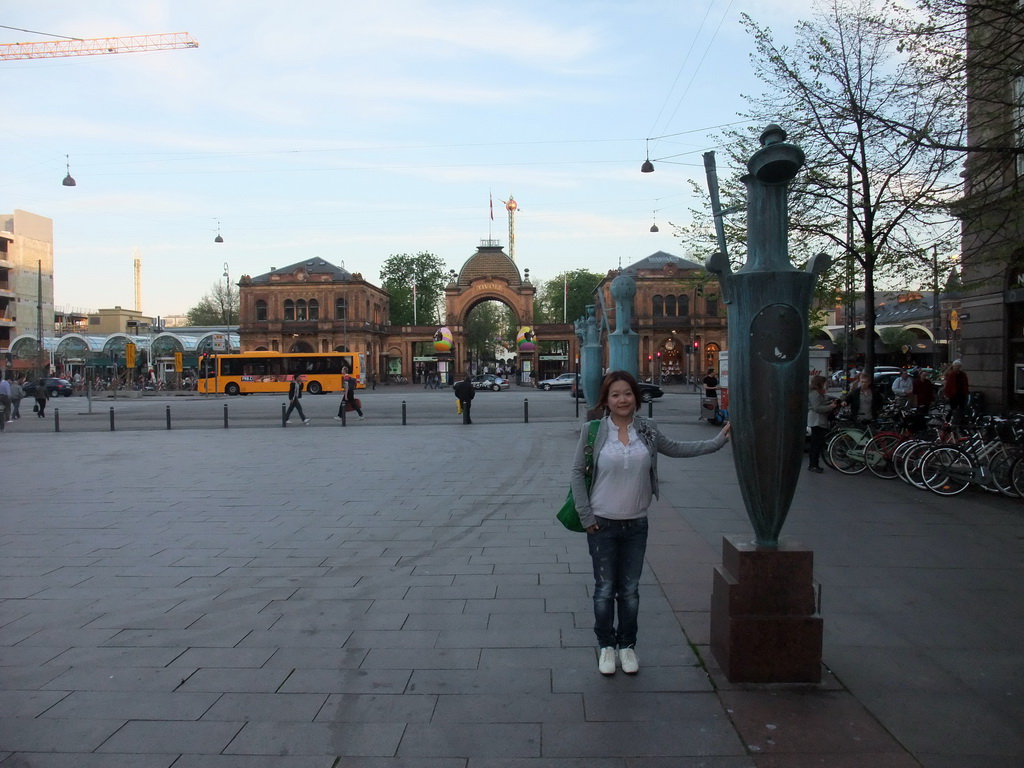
611,378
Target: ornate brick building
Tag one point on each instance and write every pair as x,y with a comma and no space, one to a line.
677,314
314,306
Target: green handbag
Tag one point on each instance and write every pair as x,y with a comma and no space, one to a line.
567,515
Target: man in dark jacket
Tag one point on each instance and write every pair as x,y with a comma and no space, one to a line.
465,392
294,393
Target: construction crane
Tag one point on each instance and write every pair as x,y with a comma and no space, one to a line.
96,46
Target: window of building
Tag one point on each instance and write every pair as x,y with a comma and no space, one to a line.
300,309
313,309
712,306
289,309
340,309
261,310
670,306
682,305
658,306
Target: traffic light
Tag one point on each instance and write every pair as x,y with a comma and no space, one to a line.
696,346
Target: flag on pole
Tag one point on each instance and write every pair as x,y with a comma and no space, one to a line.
492,205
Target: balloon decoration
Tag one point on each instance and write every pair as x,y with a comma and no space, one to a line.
525,339
443,340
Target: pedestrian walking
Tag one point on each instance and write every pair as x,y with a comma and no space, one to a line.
956,388
614,510
5,403
465,393
17,394
294,395
41,396
819,408
349,401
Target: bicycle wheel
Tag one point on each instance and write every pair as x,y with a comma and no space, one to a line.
878,454
913,458
846,453
1001,467
899,457
1017,475
947,471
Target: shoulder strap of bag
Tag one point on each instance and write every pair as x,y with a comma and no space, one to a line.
588,454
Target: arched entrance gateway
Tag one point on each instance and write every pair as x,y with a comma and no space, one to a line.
488,275
491,275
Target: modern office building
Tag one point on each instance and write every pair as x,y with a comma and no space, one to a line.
26,276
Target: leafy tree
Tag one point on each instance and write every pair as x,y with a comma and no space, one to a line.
895,339
219,306
551,304
866,197
401,271
489,324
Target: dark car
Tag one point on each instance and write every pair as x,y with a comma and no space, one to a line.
54,387
648,392
489,381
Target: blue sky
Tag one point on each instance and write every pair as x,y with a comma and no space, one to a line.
350,131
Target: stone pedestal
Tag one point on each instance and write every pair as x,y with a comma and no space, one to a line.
765,626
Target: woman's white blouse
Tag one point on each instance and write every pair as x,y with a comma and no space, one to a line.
622,487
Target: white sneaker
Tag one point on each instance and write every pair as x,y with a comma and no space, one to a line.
360,418
337,418
289,421
306,421
628,661
606,661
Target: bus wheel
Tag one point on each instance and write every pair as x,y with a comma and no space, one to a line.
232,389
314,388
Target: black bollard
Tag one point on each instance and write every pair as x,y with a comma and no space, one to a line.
111,418
168,417
526,410
284,419
225,415
56,419
403,413
650,408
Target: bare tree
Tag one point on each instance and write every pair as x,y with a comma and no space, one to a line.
878,203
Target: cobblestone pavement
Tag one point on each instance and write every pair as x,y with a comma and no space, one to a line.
397,597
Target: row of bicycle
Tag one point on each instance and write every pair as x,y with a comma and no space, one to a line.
928,452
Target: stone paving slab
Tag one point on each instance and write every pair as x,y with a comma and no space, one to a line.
403,598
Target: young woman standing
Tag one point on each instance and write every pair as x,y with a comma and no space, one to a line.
625,479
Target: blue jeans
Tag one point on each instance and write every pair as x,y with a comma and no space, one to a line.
617,549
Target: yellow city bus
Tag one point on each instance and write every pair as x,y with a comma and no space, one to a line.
249,372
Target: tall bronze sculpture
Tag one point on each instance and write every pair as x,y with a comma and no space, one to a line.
765,625
768,300
591,357
623,342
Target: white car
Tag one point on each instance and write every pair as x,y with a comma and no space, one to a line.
562,381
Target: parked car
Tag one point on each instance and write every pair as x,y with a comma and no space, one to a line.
648,392
489,381
54,387
562,381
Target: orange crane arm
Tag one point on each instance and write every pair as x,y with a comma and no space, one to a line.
92,47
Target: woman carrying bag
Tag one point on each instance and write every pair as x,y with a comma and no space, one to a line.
614,512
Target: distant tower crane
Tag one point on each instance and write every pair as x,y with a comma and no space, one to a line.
138,279
95,46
